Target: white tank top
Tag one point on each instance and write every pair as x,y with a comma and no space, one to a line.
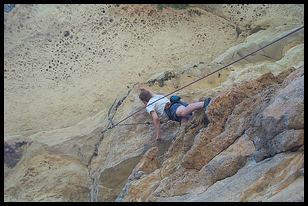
158,106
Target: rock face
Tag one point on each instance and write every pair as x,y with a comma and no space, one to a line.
80,58
47,176
249,152
252,149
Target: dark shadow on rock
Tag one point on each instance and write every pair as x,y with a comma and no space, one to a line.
13,153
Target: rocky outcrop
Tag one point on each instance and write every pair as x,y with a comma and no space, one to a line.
47,176
251,18
149,164
245,133
225,128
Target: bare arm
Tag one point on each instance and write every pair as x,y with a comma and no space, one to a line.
156,122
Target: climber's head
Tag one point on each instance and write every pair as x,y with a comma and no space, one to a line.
145,95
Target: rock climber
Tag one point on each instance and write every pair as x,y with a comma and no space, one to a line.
164,110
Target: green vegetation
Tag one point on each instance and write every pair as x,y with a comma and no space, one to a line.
175,6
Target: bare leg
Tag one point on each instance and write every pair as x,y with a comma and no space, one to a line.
184,111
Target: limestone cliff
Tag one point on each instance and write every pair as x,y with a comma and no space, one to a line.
72,70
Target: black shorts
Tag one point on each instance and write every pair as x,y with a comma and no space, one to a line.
171,112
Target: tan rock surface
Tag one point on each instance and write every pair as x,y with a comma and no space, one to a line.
76,75
251,176
48,177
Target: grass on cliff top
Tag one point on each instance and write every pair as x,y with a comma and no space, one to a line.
175,6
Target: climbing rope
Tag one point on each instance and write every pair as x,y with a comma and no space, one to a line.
118,124
148,123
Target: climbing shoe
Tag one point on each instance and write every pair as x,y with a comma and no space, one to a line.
206,103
